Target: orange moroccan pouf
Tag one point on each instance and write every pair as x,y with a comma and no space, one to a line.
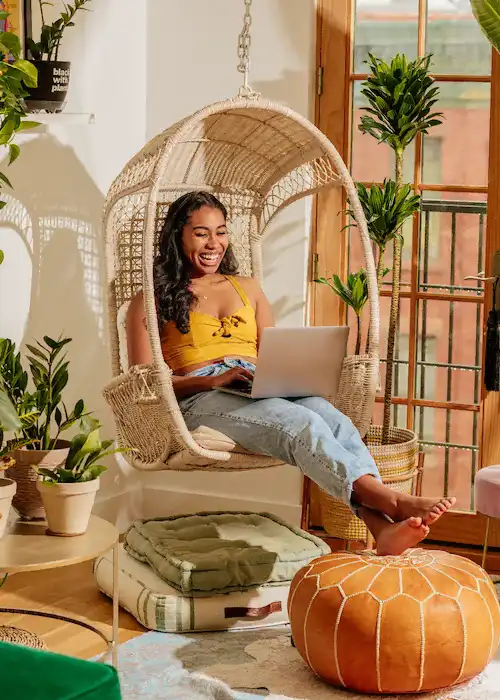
414,623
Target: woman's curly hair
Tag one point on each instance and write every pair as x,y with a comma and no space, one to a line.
172,270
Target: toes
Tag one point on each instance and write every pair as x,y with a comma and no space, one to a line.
432,517
414,522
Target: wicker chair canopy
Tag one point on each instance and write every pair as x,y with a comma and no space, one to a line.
257,157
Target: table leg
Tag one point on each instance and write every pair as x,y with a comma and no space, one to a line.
116,607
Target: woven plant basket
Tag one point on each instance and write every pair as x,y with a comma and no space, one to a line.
396,463
27,500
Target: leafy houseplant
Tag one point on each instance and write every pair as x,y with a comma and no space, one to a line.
45,416
16,75
50,95
354,294
68,491
401,97
8,421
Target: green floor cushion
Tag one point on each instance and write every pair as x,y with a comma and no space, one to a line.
208,553
29,674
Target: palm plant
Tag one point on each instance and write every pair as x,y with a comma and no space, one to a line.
401,96
354,294
487,14
386,208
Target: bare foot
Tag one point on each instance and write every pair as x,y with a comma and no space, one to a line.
372,493
396,538
429,509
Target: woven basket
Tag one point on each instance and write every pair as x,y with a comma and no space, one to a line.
396,463
27,501
16,635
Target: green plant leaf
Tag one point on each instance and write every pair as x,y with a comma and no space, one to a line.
487,14
9,420
14,152
27,124
5,179
93,472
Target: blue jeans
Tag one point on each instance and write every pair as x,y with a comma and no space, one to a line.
308,432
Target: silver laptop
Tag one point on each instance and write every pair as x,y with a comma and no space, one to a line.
297,362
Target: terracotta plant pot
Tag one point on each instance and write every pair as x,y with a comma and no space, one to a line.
68,506
27,501
7,491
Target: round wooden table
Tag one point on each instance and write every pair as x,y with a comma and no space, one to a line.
27,547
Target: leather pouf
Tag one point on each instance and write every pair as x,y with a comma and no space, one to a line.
419,622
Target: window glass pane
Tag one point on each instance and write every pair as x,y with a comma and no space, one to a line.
452,242
455,40
384,28
456,152
449,351
371,161
449,441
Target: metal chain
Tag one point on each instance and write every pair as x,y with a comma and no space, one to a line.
244,42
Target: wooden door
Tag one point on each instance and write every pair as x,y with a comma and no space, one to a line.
456,170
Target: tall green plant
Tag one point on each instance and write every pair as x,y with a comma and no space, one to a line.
401,96
386,208
487,14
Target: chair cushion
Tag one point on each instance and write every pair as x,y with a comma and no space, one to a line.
487,491
41,675
208,553
159,607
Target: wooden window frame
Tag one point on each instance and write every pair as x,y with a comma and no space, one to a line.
333,108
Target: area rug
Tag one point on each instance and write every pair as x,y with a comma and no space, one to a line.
256,665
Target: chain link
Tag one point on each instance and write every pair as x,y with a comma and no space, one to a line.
244,42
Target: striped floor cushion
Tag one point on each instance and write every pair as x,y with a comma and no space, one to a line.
159,607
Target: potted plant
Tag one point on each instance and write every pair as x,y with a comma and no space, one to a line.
401,96
42,446
9,420
53,74
16,75
68,491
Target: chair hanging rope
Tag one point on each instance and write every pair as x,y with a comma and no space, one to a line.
257,157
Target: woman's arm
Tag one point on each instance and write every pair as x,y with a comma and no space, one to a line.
139,353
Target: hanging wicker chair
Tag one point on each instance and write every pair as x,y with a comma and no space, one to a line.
257,157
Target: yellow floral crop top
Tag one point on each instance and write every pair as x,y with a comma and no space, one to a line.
210,338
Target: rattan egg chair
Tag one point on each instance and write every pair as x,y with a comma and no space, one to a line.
257,157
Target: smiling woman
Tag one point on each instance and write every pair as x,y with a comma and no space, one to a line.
210,322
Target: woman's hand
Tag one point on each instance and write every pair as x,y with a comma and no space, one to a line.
236,375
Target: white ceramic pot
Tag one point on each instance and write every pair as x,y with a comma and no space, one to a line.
68,506
7,492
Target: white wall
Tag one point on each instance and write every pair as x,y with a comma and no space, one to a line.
139,66
195,43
